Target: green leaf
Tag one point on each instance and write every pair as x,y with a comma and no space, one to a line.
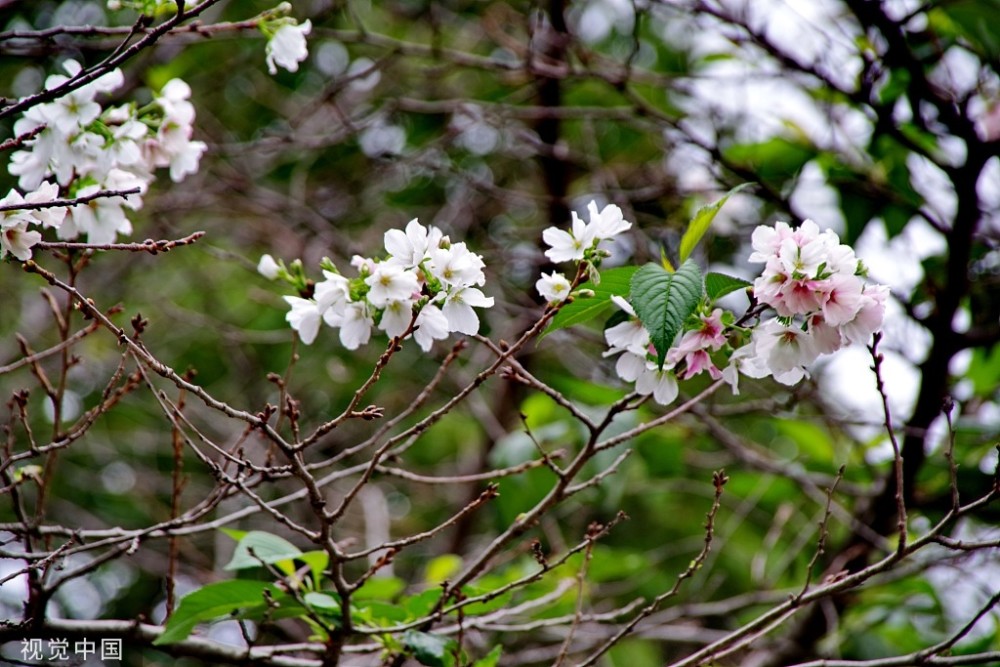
430,649
420,605
665,261
442,568
490,659
380,588
493,604
702,220
379,614
233,533
970,19
774,161
211,602
614,282
317,562
266,548
718,285
323,603
664,300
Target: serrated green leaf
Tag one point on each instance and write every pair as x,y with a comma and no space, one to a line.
430,649
490,659
701,221
664,300
211,602
265,548
718,285
614,282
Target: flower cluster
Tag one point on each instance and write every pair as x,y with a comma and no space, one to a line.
82,149
636,357
427,287
813,282
582,243
815,285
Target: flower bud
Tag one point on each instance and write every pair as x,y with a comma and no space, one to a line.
268,268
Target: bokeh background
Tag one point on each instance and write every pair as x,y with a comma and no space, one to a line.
493,120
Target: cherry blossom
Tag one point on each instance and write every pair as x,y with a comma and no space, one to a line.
396,317
86,149
456,266
431,325
458,309
304,317
410,247
554,287
660,382
268,268
570,246
17,239
426,280
355,325
287,47
390,282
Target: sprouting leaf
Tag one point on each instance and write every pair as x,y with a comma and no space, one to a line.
257,547
614,282
701,221
665,261
211,602
664,300
718,285
430,649
317,562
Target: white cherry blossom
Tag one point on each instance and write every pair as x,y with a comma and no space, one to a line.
355,325
410,247
458,309
391,282
304,317
554,287
267,267
568,246
431,325
457,266
660,382
287,47
17,239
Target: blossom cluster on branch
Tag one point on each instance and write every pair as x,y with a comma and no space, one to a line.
816,286
77,149
812,281
426,287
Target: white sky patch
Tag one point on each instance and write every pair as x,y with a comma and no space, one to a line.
600,17
896,262
813,198
848,381
934,186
